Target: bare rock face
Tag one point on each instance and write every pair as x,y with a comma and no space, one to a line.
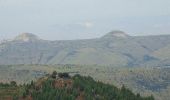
118,34
26,37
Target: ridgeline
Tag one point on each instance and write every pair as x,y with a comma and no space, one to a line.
62,86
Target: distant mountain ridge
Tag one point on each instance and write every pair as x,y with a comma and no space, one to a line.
116,48
117,34
26,37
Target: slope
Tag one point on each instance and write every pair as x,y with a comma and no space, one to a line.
115,48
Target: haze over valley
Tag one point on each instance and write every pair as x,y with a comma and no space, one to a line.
84,50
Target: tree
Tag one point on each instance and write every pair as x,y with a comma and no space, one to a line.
54,74
138,95
13,83
63,75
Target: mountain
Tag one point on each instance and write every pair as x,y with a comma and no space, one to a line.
116,48
118,34
26,37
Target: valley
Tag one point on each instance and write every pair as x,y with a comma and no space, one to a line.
141,63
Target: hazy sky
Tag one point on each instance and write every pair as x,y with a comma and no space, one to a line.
76,19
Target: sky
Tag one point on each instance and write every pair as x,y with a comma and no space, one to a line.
80,19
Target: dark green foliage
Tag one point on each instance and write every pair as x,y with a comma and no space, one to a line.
13,83
8,90
4,85
82,87
63,75
99,91
54,74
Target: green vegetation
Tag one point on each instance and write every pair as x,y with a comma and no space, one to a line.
143,80
99,91
8,90
112,50
72,88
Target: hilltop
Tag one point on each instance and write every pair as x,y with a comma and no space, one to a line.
26,37
117,33
61,86
143,80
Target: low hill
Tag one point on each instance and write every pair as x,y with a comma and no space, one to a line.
143,80
64,87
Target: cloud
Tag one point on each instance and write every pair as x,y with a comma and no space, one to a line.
86,24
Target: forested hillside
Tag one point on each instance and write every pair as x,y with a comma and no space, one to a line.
65,87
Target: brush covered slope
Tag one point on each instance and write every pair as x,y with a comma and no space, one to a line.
116,48
144,80
64,87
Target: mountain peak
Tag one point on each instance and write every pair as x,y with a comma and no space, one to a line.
26,37
117,33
